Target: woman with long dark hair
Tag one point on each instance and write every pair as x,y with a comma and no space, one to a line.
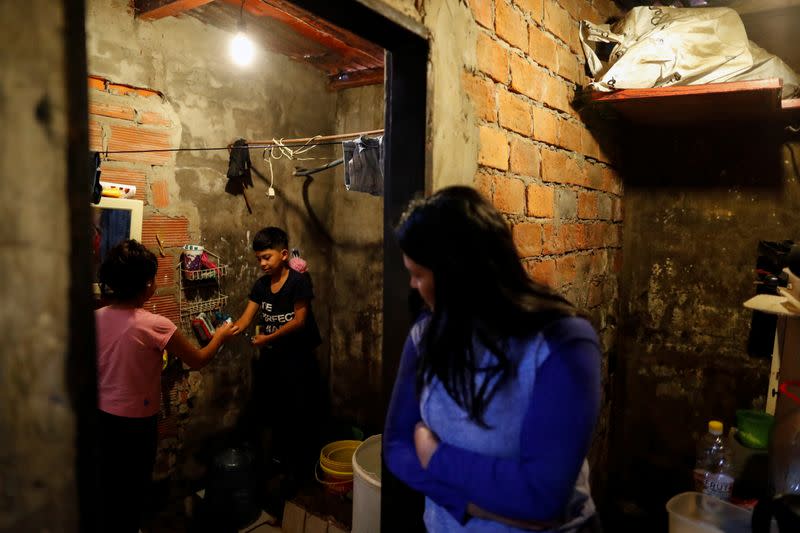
498,389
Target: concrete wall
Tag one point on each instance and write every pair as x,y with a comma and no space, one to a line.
37,424
356,223
695,209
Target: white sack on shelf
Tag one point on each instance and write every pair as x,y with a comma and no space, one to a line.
665,46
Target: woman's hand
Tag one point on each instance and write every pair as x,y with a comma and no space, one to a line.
425,442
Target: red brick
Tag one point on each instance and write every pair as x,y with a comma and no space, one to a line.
534,8
111,110
525,158
545,125
595,235
482,95
574,237
165,275
587,205
557,93
589,13
616,210
589,146
492,58
542,48
493,150
509,195
569,135
559,167
483,184
482,11
525,78
566,269
541,200
611,181
568,65
135,138
515,113
165,305
95,136
125,176
154,119
510,25
98,84
127,90
607,8
596,295
171,231
573,7
528,239
557,20
543,272
552,240
160,194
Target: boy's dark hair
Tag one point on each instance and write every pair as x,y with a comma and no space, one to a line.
270,238
126,270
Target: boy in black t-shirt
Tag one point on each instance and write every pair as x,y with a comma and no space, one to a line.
286,387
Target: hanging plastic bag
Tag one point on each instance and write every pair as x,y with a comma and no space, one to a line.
664,46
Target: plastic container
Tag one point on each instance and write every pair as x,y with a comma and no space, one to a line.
693,512
753,428
367,486
336,462
713,472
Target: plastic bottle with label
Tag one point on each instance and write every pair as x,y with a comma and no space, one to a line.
713,472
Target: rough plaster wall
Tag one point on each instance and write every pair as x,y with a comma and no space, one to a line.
695,210
356,225
37,477
216,103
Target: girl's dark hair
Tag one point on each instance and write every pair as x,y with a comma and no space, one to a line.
481,291
270,238
126,270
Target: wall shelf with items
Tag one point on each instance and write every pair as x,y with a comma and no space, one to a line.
713,102
199,274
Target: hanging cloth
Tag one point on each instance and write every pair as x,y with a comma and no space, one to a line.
239,176
363,165
95,189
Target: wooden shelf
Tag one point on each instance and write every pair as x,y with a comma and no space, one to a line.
714,102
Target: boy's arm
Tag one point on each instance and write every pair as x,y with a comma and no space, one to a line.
247,317
299,320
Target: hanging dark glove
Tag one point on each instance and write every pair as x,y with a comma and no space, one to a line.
239,176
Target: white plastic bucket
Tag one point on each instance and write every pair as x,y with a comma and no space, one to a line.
693,512
367,486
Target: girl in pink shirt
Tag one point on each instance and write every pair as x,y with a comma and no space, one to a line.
130,344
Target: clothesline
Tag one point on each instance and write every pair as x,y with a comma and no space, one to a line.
319,140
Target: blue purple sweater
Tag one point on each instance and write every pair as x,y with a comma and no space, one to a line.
529,463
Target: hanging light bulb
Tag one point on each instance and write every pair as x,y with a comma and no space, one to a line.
241,47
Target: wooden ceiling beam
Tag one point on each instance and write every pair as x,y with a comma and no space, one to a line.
355,78
316,29
158,9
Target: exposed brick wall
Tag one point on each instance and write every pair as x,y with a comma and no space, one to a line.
540,164
125,118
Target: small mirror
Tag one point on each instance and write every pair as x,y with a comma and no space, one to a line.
113,221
